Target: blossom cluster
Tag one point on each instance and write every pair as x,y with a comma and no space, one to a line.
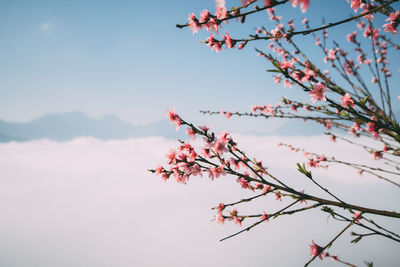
394,21
216,157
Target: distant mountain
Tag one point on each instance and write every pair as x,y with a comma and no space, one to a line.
66,126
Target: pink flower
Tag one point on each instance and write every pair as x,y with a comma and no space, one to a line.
191,133
159,170
228,40
196,170
193,23
355,129
205,153
204,128
371,130
216,172
317,41
178,176
287,83
371,32
244,183
220,218
212,25
302,200
242,45
264,217
171,157
347,101
173,117
318,92
221,12
385,148
205,16
352,37
312,163
304,4
277,79
220,207
393,22
235,218
286,65
331,55
377,155
233,212
237,221
214,44
357,216
315,250
223,136
266,189
355,4
165,176
220,147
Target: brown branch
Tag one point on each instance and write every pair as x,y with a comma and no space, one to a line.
257,223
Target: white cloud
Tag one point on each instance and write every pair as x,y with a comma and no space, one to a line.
88,202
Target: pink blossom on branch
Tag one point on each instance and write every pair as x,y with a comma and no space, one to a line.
228,40
193,23
190,132
394,20
304,4
221,13
264,217
355,4
357,216
317,92
213,43
174,118
347,101
315,250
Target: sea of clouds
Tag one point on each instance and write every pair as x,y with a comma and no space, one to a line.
88,202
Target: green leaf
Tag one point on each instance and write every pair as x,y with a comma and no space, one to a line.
278,71
364,100
327,209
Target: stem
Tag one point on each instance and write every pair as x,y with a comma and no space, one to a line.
257,223
330,243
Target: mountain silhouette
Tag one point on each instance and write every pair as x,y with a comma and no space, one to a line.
66,126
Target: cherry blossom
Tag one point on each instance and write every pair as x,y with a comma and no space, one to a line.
394,20
347,101
318,92
315,250
304,4
357,216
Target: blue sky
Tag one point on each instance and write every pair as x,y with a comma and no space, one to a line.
128,59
